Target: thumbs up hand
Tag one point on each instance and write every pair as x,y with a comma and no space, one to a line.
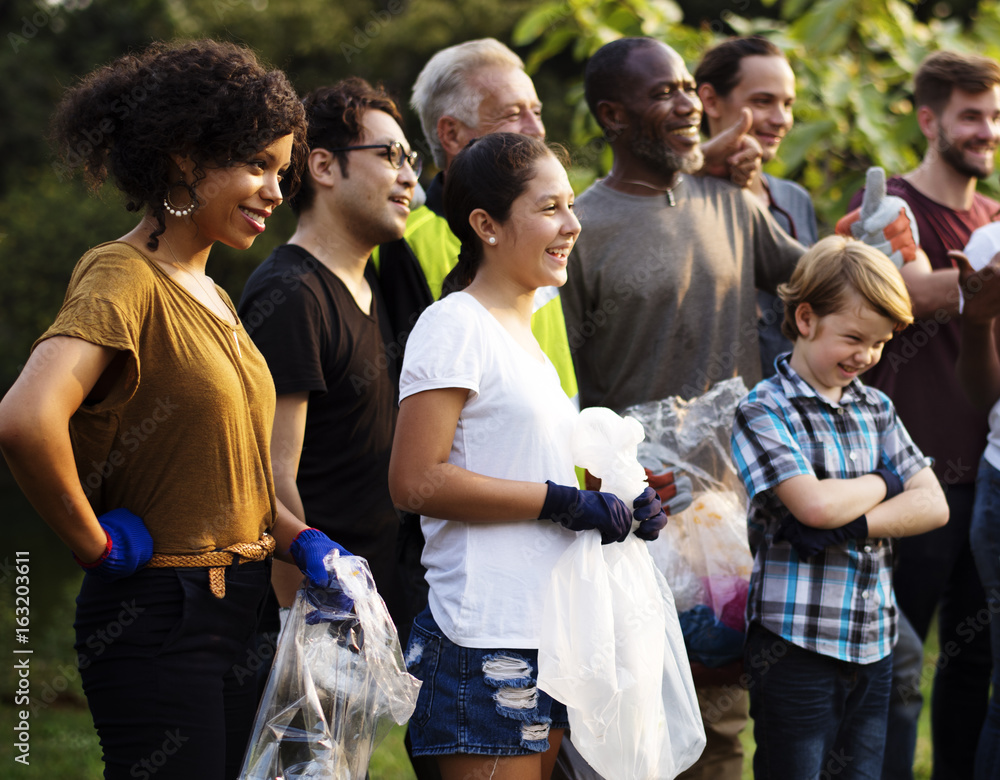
884,222
734,154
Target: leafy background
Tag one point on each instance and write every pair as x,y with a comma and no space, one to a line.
853,60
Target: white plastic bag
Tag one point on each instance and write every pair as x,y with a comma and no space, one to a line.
611,647
606,444
337,685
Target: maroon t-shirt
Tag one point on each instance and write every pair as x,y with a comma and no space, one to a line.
917,370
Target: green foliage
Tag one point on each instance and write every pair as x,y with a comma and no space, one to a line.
45,230
46,223
63,744
853,59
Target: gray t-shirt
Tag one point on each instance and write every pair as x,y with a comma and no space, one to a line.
792,209
660,299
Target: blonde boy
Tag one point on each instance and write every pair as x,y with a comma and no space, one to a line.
832,476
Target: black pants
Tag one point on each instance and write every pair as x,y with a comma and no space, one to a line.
168,670
936,571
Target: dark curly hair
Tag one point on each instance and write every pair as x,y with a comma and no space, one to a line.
207,100
335,114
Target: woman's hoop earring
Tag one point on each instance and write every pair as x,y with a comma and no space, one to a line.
188,209
492,239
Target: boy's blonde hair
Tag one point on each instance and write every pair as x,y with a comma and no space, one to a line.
835,267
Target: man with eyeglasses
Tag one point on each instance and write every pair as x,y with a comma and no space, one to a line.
314,309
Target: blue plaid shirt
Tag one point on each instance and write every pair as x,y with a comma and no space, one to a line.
839,603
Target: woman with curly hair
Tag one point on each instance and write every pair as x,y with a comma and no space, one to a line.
139,428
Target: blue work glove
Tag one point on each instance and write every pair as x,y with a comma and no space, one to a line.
809,541
323,591
309,549
583,510
893,484
649,512
128,549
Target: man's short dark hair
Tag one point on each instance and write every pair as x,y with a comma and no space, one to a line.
720,66
945,71
602,78
335,116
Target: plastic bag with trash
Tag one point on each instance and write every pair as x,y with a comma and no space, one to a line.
611,648
337,685
703,551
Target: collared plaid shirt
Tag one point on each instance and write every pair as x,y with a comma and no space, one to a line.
839,603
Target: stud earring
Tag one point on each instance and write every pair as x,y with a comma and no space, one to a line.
493,239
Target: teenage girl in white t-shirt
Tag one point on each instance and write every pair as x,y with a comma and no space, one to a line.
482,451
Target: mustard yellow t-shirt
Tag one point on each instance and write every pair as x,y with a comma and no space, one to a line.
182,440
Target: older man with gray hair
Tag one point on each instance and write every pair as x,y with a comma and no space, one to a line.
464,92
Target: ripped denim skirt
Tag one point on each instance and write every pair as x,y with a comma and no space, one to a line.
476,700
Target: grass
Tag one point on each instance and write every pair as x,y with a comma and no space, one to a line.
390,761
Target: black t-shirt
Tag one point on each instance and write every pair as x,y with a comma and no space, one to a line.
316,340
401,278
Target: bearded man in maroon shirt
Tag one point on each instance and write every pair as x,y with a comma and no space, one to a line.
957,99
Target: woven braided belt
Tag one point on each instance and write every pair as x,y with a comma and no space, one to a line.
218,560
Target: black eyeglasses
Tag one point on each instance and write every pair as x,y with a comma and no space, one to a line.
394,152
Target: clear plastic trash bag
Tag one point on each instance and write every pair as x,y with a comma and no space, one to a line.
611,648
703,551
337,685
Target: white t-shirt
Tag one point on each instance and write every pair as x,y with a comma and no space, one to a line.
488,580
983,244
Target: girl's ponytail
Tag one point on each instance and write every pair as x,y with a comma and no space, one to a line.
464,272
